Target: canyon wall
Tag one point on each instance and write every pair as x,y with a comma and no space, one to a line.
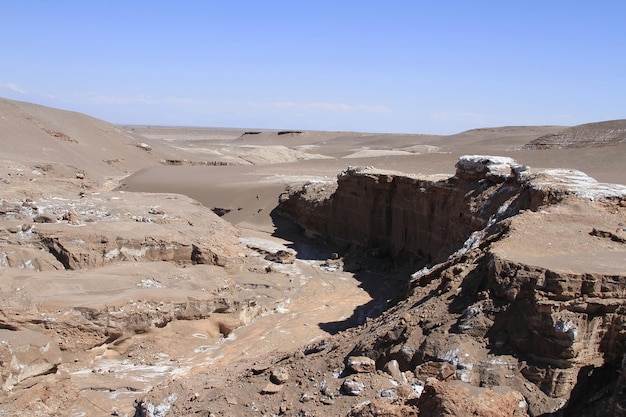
412,216
525,277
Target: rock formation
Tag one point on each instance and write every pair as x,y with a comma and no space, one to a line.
495,299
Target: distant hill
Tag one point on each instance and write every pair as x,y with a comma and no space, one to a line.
583,136
31,133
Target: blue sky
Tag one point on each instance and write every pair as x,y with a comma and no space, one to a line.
392,66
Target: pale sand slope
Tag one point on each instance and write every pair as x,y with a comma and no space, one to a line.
35,134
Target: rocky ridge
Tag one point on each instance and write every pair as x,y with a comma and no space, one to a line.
581,136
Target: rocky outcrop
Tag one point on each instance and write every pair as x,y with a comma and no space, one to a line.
148,228
401,215
405,215
520,290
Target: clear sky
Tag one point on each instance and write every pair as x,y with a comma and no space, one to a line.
379,66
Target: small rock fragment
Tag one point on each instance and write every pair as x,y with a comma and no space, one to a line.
279,376
281,257
44,218
271,388
352,387
443,371
71,217
306,397
393,369
361,364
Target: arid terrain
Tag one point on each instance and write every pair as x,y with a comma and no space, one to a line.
178,271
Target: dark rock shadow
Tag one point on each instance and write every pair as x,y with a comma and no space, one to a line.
380,275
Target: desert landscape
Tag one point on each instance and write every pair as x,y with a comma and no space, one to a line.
187,271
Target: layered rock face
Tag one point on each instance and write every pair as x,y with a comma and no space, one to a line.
408,215
524,283
48,233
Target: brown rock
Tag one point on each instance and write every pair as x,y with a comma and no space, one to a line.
279,375
272,388
361,364
393,368
381,408
456,398
44,218
71,217
441,370
281,257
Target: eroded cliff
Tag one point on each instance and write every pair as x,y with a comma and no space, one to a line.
523,284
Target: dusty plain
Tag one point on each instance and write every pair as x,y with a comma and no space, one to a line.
150,271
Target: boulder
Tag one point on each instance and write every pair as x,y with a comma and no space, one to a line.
361,364
352,387
279,375
456,398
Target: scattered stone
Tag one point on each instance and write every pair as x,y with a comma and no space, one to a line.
352,387
272,388
389,393
315,347
44,218
327,401
306,397
279,375
393,368
326,390
618,236
443,371
71,217
220,211
259,368
361,364
281,257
